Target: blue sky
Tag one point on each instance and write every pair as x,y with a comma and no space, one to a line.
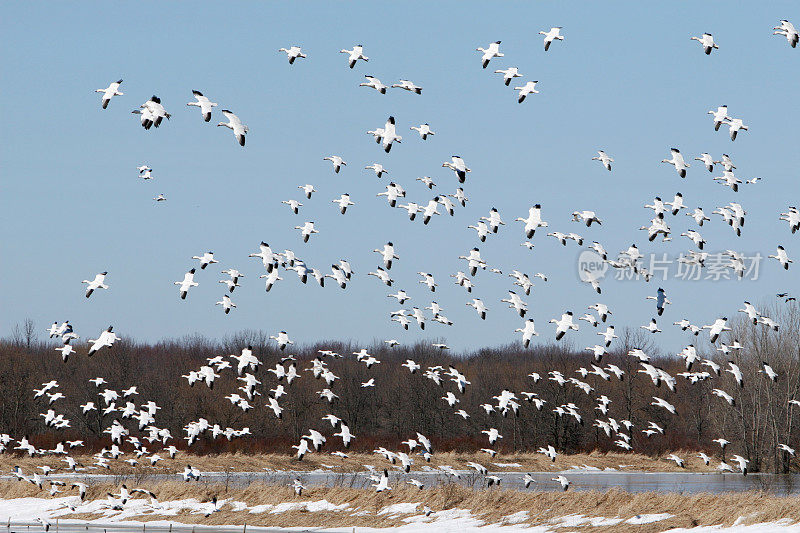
627,79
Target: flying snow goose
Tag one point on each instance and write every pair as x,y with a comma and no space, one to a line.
715,329
742,462
720,116
106,339
388,254
564,324
343,201
458,166
534,220
707,42
206,259
493,220
677,160
354,55
678,460
226,303
160,198
788,30
424,130
489,53
528,331
698,215
509,74
768,371
374,83
337,163
525,90
780,256
294,205
187,283
389,135
706,159
307,189
99,283
109,92
408,86
652,327
604,159
292,53
282,339
554,34
563,481
377,168
204,104
585,216
734,126
661,300
235,125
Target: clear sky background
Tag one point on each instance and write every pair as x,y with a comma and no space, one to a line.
627,79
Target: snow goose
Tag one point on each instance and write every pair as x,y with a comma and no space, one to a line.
292,53
187,283
235,125
586,217
564,324
715,329
377,168
388,135
282,339
706,159
489,53
306,230
343,201
337,163
509,74
494,221
677,160
742,462
204,104
720,116
734,126
206,259
427,181
678,460
271,278
382,275
457,165
294,205
660,402
736,372
408,86
553,34
354,55
780,256
226,303
698,215
563,481
109,92
424,130
707,42
374,83
604,159
769,372
661,300
388,254
99,283
534,221
787,449
160,198
525,90
788,30
106,339
528,331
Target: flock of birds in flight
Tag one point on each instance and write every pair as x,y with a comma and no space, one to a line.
244,365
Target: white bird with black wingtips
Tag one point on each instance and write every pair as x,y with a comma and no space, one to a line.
204,104
109,92
235,125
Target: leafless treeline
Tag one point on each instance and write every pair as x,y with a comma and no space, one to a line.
402,403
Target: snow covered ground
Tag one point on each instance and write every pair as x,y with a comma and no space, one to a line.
411,516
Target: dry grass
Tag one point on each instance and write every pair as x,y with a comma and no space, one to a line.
239,462
490,505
